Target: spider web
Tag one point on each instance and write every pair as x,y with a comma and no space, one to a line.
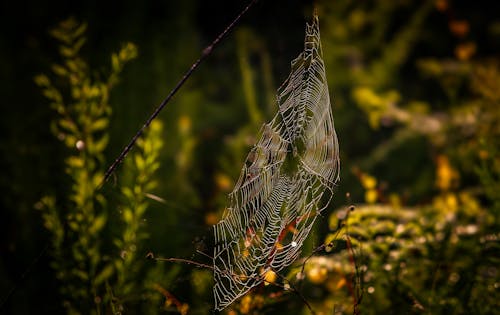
286,178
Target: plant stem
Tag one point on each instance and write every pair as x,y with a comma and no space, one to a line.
205,53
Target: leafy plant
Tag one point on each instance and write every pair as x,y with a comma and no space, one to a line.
93,278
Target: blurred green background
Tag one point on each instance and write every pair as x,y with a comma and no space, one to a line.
415,95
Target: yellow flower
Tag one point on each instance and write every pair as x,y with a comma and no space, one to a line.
368,182
317,274
223,182
270,277
448,203
156,125
446,176
342,282
371,196
183,309
451,202
245,305
366,96
371,103
465,51
211,218
279,246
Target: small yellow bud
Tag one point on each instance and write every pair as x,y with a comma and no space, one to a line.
446,176
342,282
465,51
183,309
246,303
317,274
223,182
211,218
451,202
279,246
368,182
371,196
269,277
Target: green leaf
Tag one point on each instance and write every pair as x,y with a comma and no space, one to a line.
128,52
140,209
73,226
52,94
104,275
59,70
68,125
98,224
75,162
139,161
82,275
99,124
42,80
115,63
151,185
72,65
70,141
60,35
128,216
99,197
99,145
66,51
79,43
80,30
127,192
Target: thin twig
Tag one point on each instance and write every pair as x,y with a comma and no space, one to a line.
356,292
205,53
297,292
204,254
317,250
201,265
185,261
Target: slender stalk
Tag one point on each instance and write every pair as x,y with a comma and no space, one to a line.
201,265
185,261
205,53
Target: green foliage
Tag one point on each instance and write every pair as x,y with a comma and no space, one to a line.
413,259
365,36
141,165
92,279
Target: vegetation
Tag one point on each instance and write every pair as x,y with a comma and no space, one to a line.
414,225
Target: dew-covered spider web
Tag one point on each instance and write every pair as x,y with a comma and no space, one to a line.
285,183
